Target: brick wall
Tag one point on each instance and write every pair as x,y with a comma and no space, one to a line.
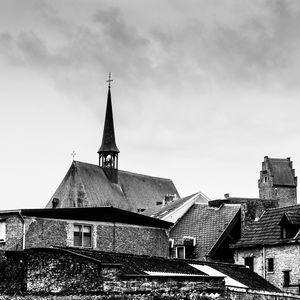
125,238
286,258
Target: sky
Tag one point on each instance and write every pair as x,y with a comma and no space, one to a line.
202,91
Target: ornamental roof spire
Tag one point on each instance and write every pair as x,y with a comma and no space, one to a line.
108,139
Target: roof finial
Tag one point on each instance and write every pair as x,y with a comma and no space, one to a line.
109,80
73,154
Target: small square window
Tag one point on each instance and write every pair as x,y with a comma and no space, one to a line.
270,265
82,236
249,262
180,252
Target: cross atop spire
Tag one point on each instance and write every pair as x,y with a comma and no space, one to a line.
109,80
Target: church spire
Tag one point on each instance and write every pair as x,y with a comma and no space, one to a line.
108,152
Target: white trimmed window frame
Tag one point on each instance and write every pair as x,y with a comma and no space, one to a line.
176,251
83,226
2,231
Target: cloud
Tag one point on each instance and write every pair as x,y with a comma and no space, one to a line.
238,45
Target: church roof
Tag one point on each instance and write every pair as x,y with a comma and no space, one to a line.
108,138
282,172
87,185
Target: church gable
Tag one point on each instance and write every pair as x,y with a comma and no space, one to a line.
87,185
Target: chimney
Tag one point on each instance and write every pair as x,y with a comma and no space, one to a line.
168,199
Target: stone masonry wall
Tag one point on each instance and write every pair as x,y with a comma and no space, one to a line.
46,233
125,238
54,271
132,239
286,258
239,258
14,229
63,273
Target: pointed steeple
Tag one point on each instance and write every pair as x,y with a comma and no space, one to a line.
108,138
108,152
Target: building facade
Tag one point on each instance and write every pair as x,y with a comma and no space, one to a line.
106,229
271,247
278,181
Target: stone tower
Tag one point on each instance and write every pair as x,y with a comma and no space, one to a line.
108,152
278,181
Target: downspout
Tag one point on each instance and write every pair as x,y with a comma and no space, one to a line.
264,261
23,230
114,237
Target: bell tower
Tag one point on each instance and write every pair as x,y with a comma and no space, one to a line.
108,152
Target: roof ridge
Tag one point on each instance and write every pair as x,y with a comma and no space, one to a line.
124,171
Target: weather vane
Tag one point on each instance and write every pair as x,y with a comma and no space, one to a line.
109,79
73,154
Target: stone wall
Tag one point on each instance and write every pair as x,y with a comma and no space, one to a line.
14,229
59,272
132,239
125,238
285,259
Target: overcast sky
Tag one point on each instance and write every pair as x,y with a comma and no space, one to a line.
202,91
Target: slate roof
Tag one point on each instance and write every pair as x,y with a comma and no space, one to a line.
100,214
143,265
205,223
87,185
267,230
281,171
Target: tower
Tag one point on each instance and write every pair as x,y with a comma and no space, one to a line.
278,181
108,152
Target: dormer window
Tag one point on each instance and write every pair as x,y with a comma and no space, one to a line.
290,225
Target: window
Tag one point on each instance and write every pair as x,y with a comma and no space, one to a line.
180,252
82,235
286,278
2,231
270,265
288,231
249,262
265,179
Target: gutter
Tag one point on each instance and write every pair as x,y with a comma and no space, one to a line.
23,230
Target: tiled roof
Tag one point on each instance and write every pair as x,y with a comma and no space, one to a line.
87,185
140,264
160,211
267,229
206,224
241,274
281,171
